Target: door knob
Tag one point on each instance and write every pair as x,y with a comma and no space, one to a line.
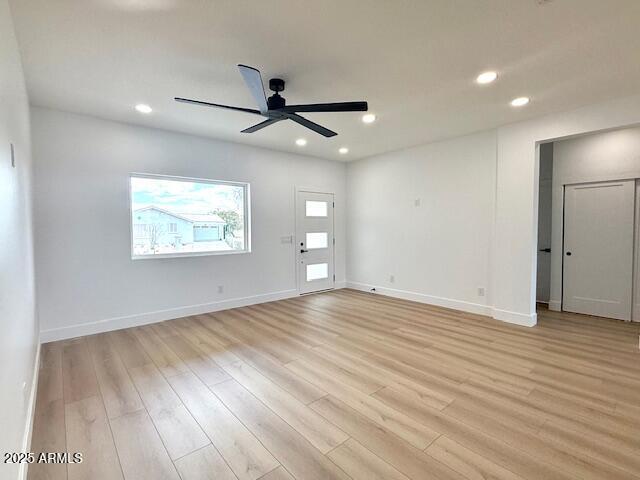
303,250
568,254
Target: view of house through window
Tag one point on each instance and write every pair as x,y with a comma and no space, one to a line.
178,216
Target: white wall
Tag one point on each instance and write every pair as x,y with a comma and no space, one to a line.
18,324
86,279
512,253
613,155
515,241
544,223
439,251
82,165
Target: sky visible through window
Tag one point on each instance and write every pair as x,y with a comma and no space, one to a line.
184,196
171,216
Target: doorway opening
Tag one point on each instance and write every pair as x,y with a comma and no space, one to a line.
588,225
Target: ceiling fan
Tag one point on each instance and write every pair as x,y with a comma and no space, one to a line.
275,108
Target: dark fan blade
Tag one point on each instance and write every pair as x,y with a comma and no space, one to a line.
261,125
254,81
311,125
207,104
327,107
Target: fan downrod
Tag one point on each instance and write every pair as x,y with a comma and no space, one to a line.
275,101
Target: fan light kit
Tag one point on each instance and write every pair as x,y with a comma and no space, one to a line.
142,108
301,142
369,118
275,108
519,102
343,150
486,77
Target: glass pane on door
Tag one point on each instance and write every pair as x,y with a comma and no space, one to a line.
317,271
315,209
317,240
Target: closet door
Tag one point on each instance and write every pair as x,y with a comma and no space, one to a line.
598,249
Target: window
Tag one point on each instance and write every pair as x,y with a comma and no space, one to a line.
174,216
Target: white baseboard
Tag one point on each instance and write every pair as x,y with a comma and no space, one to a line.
117,323
555,305
31,411
477,308
423,298
522,319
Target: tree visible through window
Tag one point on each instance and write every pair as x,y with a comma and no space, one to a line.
173,216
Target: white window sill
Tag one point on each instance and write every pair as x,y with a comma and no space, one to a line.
188,254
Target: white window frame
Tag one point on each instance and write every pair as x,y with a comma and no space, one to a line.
246,215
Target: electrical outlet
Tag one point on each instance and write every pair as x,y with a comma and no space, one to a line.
220,288
392,278
481,291
416,202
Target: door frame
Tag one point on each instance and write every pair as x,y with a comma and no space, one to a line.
296,250
635,292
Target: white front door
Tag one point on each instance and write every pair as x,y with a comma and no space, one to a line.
598,249
314,241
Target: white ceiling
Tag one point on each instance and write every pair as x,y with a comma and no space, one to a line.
414,61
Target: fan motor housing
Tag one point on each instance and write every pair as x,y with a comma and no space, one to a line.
276,85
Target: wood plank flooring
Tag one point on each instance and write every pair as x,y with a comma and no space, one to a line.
344,385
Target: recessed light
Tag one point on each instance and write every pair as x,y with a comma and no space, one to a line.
486,77
142,108
368,118
519,102
343,150
301,142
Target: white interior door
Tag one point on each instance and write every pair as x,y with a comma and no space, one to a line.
598,249
314,241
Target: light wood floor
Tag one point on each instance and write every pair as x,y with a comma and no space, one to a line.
344,385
